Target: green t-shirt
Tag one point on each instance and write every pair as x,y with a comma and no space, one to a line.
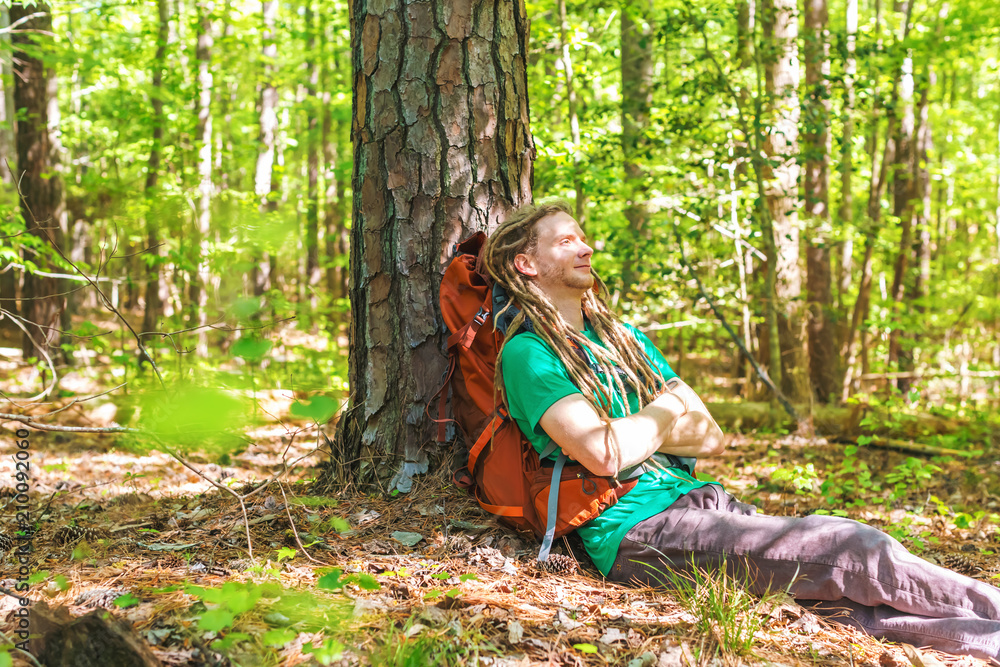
534,379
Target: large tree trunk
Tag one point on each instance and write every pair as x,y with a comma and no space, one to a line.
782,79
816,145
153,304
41,187
637,98
441,148
203,224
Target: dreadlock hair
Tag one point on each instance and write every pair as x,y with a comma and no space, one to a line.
519,234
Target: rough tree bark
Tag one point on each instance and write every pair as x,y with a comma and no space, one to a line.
152,298
816,146
441,148
782,80
637,98
42,203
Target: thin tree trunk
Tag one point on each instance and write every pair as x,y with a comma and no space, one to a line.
9,279
153,304
39,178
917,293
745,13
199,284
426,174
335,135
845,212
903,195
875,192
781,174
265,184
313,273
574,121
816,145
637,98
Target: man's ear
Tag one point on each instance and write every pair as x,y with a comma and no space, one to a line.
525,265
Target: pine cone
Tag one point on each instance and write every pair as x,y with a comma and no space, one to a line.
6,545
558,564
67,535
961,564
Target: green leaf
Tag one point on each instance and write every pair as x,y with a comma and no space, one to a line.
215,620
5,659
441,575
585,648
126,601
278,637
38,577
368,582
227,642
320,409
250,350
62,583
193,417
286,553
166,589
864,440
331,581
433,593
469,576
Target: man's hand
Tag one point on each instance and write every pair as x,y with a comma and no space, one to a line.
695,428
575,425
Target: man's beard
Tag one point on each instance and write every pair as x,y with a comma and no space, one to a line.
571,278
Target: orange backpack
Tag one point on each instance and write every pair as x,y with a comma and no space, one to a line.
504,472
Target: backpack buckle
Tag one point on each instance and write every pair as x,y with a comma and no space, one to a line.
480,318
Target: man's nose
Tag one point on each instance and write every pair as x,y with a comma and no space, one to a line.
585,250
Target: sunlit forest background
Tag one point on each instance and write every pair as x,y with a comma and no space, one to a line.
200,172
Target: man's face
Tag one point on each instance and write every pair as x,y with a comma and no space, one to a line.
560,261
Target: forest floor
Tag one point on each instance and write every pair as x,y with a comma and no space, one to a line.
428,577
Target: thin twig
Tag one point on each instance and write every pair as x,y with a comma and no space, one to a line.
295,531
40,348
29,420
104,298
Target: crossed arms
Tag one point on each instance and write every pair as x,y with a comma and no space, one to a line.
676,422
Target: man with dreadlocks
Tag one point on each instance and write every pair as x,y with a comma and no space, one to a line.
576,376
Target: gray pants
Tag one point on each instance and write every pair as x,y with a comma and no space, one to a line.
827,562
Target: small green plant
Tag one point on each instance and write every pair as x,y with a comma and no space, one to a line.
727,614
804,480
